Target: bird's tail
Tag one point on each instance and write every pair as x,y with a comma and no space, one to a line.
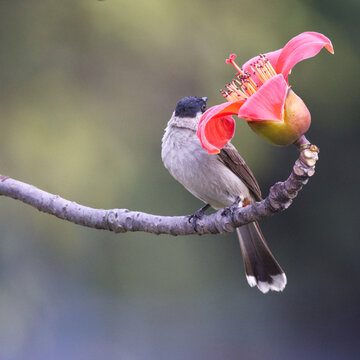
261,267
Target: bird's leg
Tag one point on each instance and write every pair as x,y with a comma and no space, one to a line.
197,215
230,209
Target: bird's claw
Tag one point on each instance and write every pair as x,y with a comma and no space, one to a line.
230,209
197,215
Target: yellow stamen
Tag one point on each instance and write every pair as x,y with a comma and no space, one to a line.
264,73
258,74
234,96
251,89
253,83
239,91
270,68
242,90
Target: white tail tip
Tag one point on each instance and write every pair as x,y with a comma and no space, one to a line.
278,283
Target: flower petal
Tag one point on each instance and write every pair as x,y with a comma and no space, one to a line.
216,127
268,102
303,46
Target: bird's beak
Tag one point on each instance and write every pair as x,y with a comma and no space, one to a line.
205,98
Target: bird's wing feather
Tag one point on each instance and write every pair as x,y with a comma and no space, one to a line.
232,159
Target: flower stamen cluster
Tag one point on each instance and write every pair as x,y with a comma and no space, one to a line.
244,86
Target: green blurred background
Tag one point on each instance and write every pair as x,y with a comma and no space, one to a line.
86,89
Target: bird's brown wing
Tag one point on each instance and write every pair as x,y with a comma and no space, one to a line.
232,159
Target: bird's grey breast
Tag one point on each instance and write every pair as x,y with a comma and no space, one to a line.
181,151
202,174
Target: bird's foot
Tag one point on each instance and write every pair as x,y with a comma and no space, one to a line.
197,215
230,209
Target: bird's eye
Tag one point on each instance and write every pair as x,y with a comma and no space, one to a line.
203,108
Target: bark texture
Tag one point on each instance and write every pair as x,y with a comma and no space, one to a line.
280,197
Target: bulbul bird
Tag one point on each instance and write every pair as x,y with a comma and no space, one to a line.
219,181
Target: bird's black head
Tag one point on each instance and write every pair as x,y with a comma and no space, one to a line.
190,106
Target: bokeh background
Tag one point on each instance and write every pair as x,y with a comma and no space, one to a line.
86,89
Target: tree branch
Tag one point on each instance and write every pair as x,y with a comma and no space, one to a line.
280,198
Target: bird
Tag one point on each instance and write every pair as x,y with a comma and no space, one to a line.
219,180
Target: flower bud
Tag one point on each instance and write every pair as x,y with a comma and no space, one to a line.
296,121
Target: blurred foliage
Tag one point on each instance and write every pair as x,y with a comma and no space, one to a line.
86,89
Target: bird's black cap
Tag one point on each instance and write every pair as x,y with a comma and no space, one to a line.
190,106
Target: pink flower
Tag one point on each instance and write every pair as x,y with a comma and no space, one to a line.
261,95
